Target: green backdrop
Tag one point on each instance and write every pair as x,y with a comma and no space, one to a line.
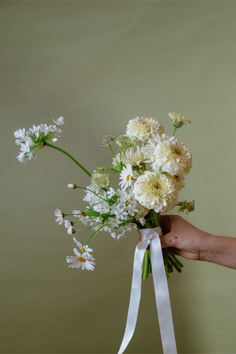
99,64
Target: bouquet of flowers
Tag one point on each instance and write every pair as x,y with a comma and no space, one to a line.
151,167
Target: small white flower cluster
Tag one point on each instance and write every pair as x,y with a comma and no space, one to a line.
120,208
34,138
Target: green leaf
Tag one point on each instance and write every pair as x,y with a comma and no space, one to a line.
91,212
112,200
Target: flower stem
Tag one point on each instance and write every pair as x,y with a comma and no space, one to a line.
90,190
174,130
112,151
69,155
94,234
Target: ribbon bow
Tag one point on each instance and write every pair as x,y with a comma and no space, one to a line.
151,237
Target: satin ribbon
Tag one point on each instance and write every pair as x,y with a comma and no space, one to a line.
151,237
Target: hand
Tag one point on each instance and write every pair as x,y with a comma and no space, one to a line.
185,239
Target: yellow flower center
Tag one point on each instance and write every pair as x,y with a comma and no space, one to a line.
81,259
128,177
82,249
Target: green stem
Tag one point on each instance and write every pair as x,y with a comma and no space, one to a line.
87,189
145,265
71,214
94,234
84,228
174,130
112,151
175,259
68,155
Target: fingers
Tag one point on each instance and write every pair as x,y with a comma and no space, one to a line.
169,240
195,256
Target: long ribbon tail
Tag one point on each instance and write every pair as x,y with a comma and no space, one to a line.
162,298
135,295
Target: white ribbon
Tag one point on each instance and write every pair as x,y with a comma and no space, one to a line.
151,237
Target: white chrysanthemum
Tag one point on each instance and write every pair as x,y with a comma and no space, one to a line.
59,215
126,177
133,156
155,191
172,156
150,146
80,261
143,128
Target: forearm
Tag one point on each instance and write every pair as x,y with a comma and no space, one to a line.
220,250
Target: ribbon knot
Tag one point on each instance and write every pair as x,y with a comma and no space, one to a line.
150,234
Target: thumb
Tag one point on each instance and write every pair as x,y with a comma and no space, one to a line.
168,240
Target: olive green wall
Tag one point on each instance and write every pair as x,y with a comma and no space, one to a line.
100,64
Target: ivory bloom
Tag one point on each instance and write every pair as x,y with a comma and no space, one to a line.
155,191
172,156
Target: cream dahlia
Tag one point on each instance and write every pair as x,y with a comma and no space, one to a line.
133,156
155,191
143,128
171,156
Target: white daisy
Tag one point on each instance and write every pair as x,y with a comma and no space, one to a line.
80,261
155,191
126,176
69,227
59,215
84,249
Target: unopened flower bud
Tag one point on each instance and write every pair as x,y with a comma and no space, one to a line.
71,186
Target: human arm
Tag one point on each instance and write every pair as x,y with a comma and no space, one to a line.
192,243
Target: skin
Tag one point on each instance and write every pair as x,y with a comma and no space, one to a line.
192,243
